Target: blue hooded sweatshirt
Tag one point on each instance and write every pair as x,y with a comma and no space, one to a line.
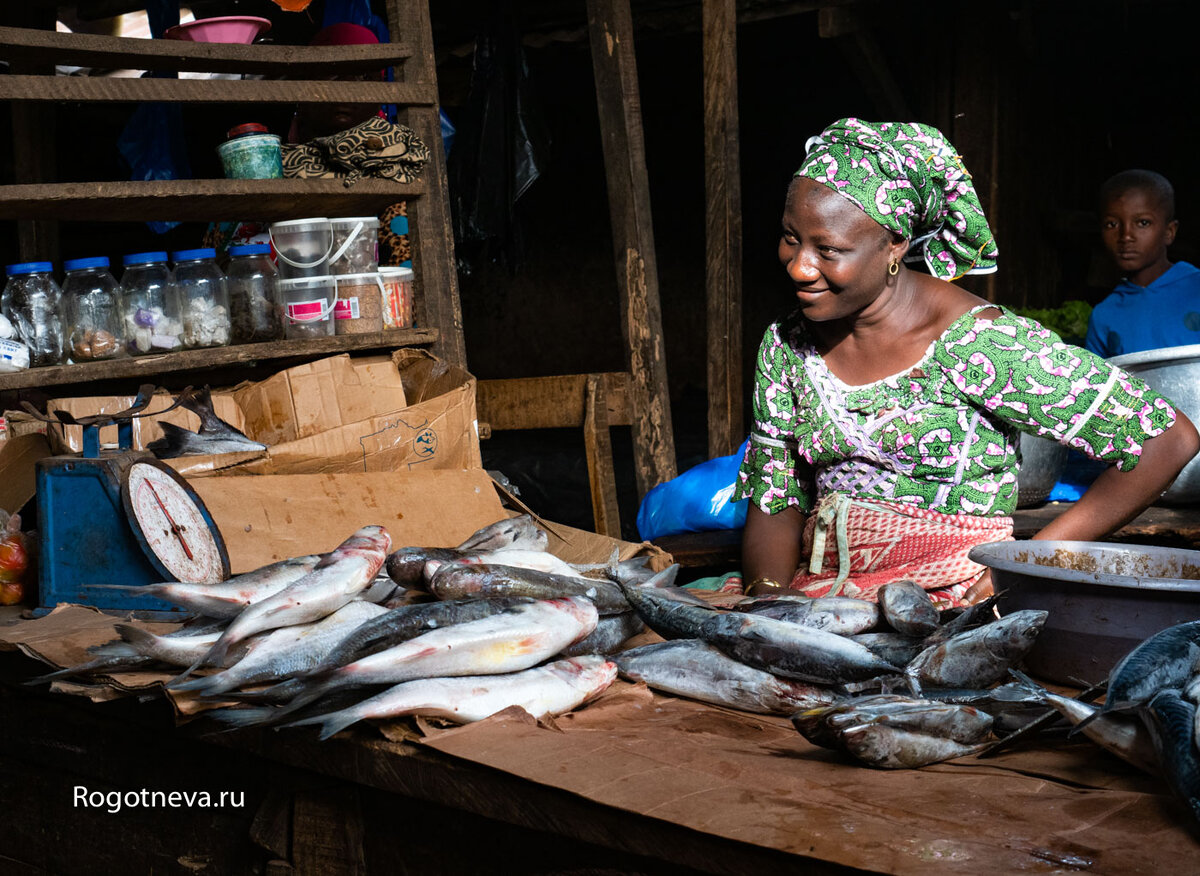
1134,318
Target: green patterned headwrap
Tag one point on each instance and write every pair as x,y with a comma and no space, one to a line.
908,178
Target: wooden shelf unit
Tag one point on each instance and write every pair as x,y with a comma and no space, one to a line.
35,199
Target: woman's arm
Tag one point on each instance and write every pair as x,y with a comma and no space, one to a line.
771,546
1116,497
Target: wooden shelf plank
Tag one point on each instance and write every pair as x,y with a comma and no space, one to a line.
195,360
241,91
201,199
20,46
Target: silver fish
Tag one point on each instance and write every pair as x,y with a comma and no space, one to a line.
1171,720
792,650
1165,660
226,599
1118,734
907,608
507,642
339,577
896,648
611,632
517,533
287,651
963,724
879,745
671,612
407,566
539,561
978,657
215,435
976,615
834,614
464,580
546,690
696,670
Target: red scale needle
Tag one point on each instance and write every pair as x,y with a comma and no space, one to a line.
174,526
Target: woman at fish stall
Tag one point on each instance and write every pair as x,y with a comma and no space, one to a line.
888,404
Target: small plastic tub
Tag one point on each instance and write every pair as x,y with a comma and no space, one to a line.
302,247
397,297
308,306
359,306
355,245
251,154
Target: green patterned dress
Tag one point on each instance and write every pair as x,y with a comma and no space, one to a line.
942,435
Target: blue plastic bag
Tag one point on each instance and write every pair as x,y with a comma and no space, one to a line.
695,501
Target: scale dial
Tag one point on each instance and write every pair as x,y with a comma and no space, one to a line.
174,527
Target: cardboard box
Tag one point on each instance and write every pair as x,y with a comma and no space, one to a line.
18,469
69,439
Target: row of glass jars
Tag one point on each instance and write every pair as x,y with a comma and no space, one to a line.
152,309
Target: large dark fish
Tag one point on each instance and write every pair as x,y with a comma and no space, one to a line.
968,618
671,612
964,724
1171,720
466,580
215,435
611,632
834,614
696,670
880,745
907,608
978,657
1165,660
896,648
791,650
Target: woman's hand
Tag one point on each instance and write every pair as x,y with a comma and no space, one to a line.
1116,497
771,548
980,590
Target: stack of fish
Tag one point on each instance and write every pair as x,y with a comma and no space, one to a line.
807,657
313,630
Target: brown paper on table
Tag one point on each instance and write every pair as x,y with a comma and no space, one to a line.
754,779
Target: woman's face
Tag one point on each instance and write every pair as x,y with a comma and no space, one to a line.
836,255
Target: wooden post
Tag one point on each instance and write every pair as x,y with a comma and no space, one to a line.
598,443
33,132
723,231
432,238
610,26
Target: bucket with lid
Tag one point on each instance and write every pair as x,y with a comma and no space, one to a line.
302,247
397,297
355,245
308,305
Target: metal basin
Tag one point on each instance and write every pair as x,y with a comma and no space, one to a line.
1042,464
1104,599
1174,372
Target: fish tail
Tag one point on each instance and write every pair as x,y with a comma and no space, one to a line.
141,640
331,723
141,588
206,685
244,716
215,656
1026,682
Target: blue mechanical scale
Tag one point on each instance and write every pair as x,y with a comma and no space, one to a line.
119,516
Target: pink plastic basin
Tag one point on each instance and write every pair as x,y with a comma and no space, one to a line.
224,29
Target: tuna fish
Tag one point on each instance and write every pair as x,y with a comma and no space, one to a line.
1172,720
670,611
516,533
547,690
833,614
979,657
696,670
907,608
896,648
611,632
1165,660
465,580
880,745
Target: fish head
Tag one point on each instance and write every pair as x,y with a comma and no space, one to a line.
591,673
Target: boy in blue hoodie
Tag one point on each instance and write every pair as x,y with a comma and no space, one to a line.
1157,304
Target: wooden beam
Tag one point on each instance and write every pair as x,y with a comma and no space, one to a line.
192,200
851,28
29,45
556,402
241,91
723,232
598,447
430,230
610,27
146,367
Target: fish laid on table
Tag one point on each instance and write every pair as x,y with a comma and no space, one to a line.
215,435
339,577
516,639
895,648
880,745
842,615
1172,723
406,566
539,561
963,724
672,612
696,670
969,618
979,657
1121,735
792,650
287,651
1165,660
611,632
546,690
407,622
907,608
226,599
467,580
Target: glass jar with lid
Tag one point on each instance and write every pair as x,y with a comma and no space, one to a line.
254,303
92,310
203,298
33,302
150,305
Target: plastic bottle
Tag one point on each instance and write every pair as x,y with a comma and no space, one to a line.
33,302
92,310
150,304
254,303
204,299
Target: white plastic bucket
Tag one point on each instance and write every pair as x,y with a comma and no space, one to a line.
355,245
302,247
308,304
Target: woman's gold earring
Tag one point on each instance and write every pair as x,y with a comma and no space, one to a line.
893,267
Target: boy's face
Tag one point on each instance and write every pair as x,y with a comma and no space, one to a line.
1136,232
